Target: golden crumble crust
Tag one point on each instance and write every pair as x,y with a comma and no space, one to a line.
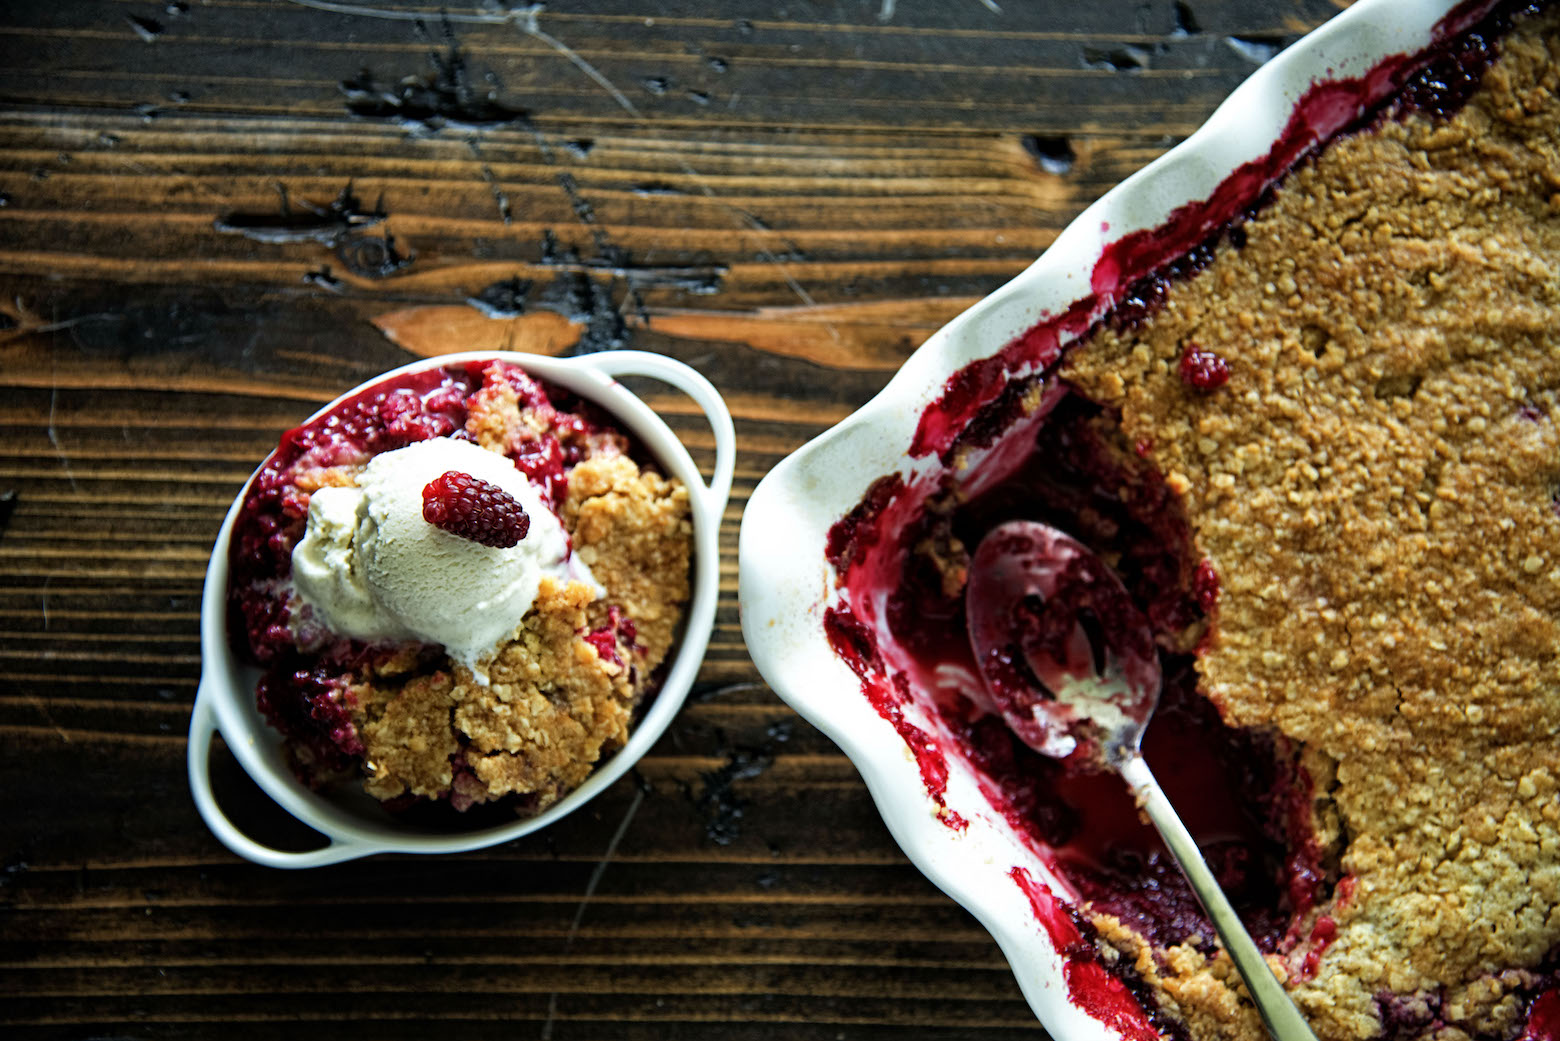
407,740
553,706
1204,993
633,529
554,703
1375,487
500,422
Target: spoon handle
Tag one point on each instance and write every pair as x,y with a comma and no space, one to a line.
1278,1011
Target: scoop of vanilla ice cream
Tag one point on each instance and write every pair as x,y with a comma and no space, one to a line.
371,568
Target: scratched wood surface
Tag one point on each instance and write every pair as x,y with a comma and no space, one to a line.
216,215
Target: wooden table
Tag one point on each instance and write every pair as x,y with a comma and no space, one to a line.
217,215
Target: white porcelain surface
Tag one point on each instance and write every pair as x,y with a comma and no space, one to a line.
786,585
354,823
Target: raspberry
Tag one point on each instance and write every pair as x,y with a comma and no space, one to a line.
474,509
1205,586
619,628
1202,369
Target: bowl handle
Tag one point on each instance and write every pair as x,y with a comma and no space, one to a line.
202,726
690,382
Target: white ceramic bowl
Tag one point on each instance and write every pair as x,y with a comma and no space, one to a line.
353,822
781,553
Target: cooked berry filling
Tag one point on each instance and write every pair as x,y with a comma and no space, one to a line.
1235,789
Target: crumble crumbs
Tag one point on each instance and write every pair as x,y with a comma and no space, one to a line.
407,739
1376,488
632,529
501,422
554,705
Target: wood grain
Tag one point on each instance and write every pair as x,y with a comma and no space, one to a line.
215,216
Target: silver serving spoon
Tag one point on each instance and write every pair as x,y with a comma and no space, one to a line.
1041,607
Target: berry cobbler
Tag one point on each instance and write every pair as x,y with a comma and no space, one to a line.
460,585
1322,451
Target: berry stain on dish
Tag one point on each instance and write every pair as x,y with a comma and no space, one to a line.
1308,555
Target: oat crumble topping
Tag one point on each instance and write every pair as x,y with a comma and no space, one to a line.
1376,487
